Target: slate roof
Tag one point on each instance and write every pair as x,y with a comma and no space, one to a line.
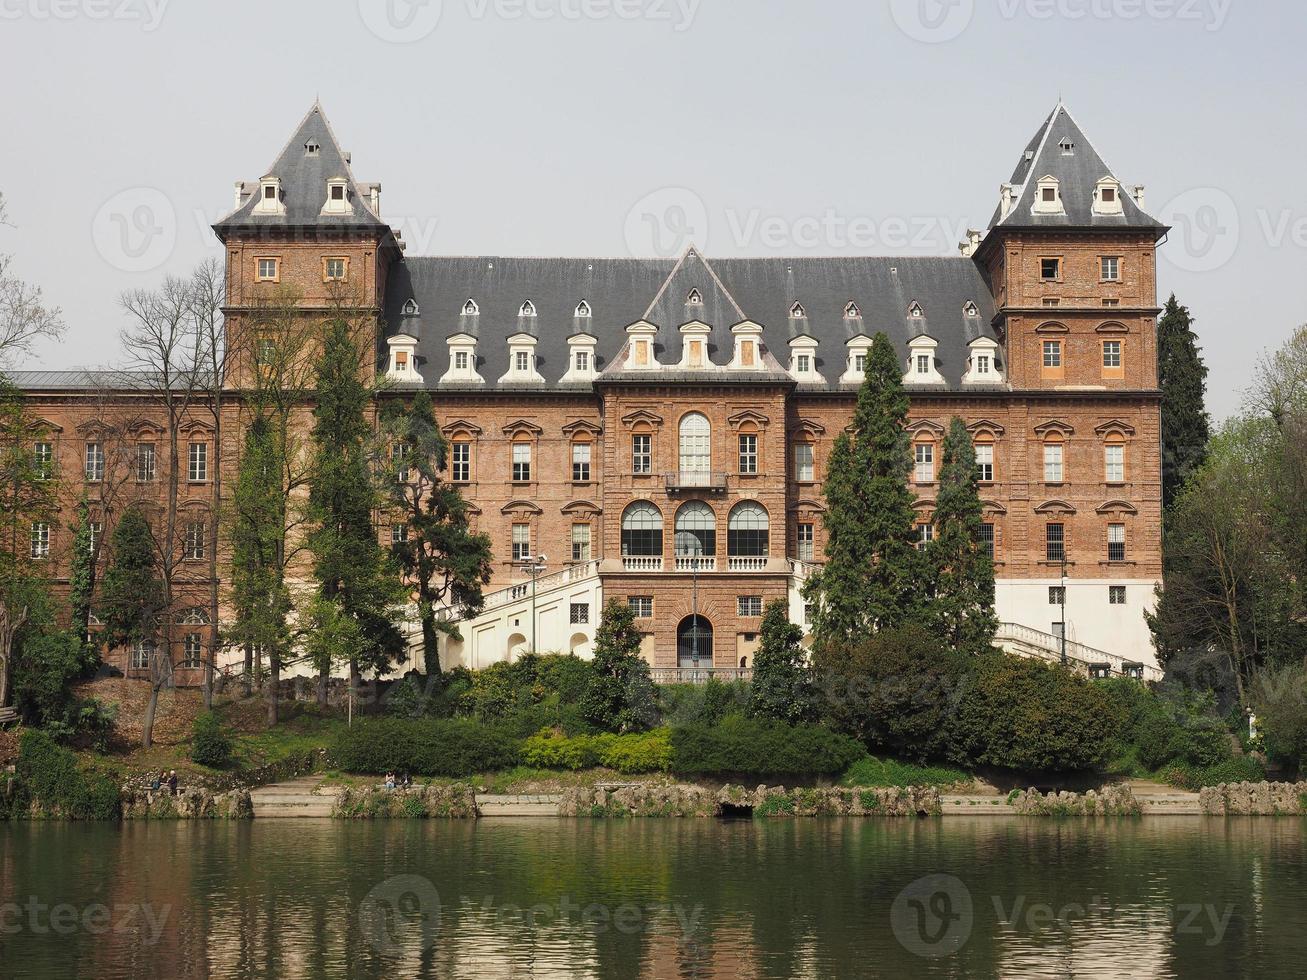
304,179
623,291
1077,172
108,380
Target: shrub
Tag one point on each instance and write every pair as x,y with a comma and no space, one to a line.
783,685
1029,715
1189,777
1280,699
1157,737
51,775
531,693
210,745
619,697
423,747
755,746
707,704
630,754
870,771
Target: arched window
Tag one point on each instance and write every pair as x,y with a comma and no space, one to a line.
470,308
696,531
642,530
747,531
696,444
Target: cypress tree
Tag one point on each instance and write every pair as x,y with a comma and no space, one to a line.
962,572
782,685
1182,376
872,576
81,574
620,696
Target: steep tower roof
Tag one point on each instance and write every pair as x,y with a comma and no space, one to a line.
1061,150
305,167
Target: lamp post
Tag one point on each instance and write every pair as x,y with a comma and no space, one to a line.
1063,597
689,545
535,564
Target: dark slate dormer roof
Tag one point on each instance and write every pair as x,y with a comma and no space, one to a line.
304,184
1077,173
622,291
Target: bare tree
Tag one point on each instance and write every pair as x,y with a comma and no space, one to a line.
24,317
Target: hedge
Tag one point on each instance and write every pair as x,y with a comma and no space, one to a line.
750,746
423,747
49,772
631,753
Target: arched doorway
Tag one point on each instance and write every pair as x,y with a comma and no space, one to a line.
694,643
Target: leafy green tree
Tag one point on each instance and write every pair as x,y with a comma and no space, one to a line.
620,696
446,563
962,570
782,685
1182,376
82,564
353,572
872,576
133,602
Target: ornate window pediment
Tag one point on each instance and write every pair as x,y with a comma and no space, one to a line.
986,427
1116,507
924,427
1055,507
522,427
1114,426
748,416
1052,327
461,425
582,508
992,507
582,425
521,507
1112,327
1054,427
642,417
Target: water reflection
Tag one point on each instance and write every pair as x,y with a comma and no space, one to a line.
985,896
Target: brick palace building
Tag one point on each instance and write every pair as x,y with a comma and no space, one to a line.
658,429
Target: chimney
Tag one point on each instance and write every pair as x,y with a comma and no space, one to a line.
969,247
1005,201
375,195
240,187
1139,196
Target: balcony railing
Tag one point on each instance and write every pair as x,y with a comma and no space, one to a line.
758,564
515,593
642,563
692,563
698,675
696,480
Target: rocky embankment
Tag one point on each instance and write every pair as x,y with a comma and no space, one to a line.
688,800
1255,799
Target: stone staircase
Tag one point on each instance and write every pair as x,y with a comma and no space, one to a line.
518,805
1157,798
303,796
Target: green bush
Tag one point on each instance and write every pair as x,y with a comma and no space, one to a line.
210,745
755,746
1157,737
1187,776
52,777
1280,698
632,753
521,697
870,771
424,747
703,704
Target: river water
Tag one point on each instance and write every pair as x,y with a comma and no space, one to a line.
951,897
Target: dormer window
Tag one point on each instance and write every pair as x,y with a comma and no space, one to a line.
797,311
971,310
923,364
1107,196
915,311
311,148
528,309
583,309
860,363
461,360
337,197
1067,147
1048,197
581,361
695,298
270,197
522,361
411,308
921,361
851,312
982,362
470,308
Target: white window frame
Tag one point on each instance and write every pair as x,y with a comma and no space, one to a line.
924,462
1114,463
197,462
1054,462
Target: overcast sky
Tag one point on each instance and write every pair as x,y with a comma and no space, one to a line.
617,127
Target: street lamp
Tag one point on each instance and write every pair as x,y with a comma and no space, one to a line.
1063,598
535,564
688,544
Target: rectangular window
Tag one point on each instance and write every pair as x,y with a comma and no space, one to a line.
142,654
265,352
398,533
806,534
1057,595
1111,265
197,470
1116,542
1116,595
580,542
1111,302
267,270
641,605
95,529
985,462
145,455
399,460
982,364
925,535
521,462
40,540
521,541
1053,463
581,462
803,463
1111,355
461,467
1052,301
923,364
803,363
94,462
43,460
522,361
335,269
809,611
1054,542
925,470
748,605
748,454
192,646
1050,269
1114,464
641,454
1052,354
582,361
987,539
196,542
860,363
579,614
460,360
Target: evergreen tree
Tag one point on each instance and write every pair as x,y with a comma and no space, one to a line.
872,576
620,696
782,685
962,572
353,572
81,573
1182,376
444,561
259,596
